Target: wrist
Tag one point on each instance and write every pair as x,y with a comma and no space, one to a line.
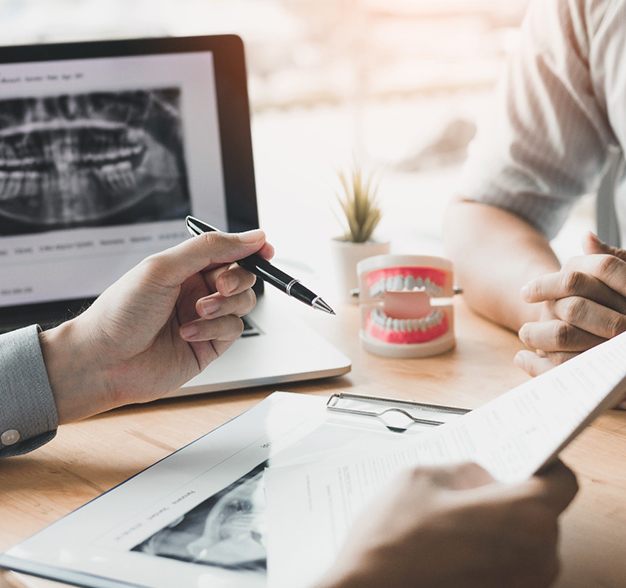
78,383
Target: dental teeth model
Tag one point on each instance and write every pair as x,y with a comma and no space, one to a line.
406,305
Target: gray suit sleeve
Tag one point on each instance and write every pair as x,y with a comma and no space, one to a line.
28,414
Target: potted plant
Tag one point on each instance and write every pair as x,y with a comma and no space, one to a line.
361,215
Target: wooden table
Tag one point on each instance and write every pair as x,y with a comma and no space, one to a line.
90,457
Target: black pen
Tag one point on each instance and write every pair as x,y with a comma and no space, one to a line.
266,271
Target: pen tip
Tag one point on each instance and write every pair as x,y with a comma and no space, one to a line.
321,305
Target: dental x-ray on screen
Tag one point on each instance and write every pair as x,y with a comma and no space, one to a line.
91,159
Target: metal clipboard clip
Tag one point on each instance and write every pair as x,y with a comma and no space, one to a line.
396,415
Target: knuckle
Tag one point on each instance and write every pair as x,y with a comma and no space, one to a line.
562,334
573,281
152,265
608,265
573,309
211,239
616,325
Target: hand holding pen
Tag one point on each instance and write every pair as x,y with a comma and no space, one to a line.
267,272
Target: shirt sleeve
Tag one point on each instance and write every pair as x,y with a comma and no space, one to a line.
28,414
547,138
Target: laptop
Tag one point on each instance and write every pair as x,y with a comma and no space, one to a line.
105,147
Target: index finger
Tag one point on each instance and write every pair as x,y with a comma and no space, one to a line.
571,282
174,265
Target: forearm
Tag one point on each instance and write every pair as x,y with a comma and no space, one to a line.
495,253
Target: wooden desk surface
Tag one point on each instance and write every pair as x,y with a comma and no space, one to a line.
90,457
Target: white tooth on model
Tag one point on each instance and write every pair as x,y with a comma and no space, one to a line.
398,283
422,325
409,282
389,283
419,283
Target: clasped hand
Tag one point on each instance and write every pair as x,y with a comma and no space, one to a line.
583,305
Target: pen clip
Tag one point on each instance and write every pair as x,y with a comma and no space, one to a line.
197,227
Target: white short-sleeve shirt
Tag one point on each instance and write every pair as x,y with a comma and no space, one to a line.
560,112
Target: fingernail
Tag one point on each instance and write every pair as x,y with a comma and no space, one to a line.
252,236
522,333
189,331
525,292
229,283
208,306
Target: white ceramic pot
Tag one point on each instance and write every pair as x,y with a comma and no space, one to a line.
346,255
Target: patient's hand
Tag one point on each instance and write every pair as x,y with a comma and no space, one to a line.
584,304
445,528
155,328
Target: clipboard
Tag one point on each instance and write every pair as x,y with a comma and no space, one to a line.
114,540
396,415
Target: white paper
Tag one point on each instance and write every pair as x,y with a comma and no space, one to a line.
311,507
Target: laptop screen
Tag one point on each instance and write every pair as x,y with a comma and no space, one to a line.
100,160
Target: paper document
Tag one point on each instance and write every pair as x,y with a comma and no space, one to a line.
310,507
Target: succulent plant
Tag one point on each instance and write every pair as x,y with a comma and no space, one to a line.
359,205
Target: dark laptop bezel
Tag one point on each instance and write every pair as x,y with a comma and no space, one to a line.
234,123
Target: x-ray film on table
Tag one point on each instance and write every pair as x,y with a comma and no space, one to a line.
197,518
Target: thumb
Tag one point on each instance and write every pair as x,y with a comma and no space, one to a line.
593,245
174,265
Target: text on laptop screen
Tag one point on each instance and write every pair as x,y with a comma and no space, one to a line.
100,161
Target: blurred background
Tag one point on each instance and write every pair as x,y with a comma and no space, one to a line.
396,85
